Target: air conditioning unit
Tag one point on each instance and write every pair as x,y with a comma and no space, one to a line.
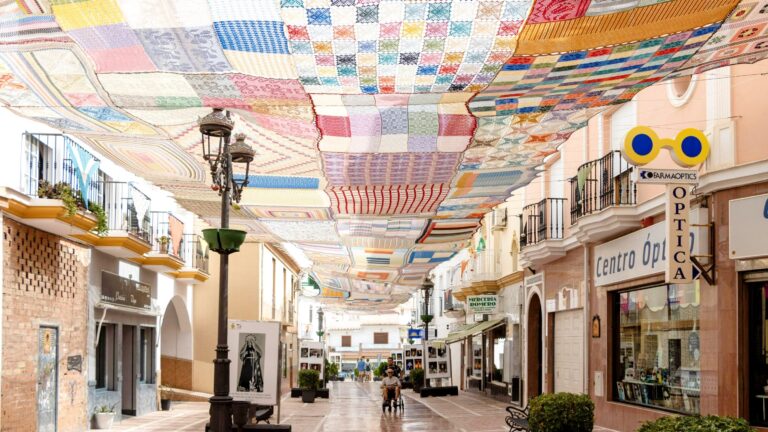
499,219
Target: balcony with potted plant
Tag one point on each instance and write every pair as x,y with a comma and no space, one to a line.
58,187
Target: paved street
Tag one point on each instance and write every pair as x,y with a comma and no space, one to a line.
352,407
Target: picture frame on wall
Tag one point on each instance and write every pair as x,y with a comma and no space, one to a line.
254,361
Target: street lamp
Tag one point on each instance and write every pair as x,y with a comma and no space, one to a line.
216,130
427,288
320,331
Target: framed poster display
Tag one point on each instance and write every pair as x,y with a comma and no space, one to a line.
438,360
312,356
413,357
477,360
397,358
254,361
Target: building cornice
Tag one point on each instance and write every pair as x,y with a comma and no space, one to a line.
741,175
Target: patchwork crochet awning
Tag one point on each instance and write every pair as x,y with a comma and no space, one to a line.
384,129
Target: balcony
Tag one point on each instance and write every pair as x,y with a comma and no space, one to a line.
600,184
603,199
53,196
542,221
451,307
129,227
195,255
168,241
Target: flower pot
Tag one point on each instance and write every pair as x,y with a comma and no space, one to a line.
224,241
104,420
165,404
308,396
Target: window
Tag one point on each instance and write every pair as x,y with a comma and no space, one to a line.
105,357
381,338
346,341
147,355
657,347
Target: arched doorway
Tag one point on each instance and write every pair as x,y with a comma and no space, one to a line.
535,348
176,346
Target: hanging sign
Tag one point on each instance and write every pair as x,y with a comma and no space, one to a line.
414,333
483,304
122,291
666,176
679,267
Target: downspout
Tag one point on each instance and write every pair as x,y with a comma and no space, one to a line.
587,319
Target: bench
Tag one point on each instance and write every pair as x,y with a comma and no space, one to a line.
517,420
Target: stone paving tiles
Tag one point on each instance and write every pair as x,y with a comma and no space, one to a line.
352,407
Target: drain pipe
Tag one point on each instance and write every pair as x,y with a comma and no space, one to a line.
587,319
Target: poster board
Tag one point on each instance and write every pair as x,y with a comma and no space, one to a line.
311,356
413,355
477,360
438,360
397,358
254,361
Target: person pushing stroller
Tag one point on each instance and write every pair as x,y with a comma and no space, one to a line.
390,390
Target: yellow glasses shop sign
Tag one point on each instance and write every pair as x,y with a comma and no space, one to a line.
688,149
483,304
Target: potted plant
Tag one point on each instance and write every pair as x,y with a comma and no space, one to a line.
166,394
308,380
163,242
105,416
417,378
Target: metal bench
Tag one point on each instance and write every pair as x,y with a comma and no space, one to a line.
517,420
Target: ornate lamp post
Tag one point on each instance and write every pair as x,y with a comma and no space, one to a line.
216,129
427,287
320,330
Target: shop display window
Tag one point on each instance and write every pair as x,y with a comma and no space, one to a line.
656,349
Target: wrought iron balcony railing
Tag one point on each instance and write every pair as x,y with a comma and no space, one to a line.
600,184
195,254
47,162
542,221
167,233
127,208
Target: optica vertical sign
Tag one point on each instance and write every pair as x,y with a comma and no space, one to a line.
679,267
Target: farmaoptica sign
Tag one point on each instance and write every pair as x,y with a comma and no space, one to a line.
679,267
483,304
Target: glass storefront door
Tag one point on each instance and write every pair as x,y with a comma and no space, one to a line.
758,352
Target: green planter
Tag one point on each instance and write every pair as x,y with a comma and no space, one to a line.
224,241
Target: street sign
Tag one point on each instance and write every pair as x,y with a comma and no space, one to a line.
666,176
415,333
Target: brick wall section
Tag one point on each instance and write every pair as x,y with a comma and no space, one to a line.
44,284
176,372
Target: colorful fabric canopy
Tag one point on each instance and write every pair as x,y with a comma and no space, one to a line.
384,129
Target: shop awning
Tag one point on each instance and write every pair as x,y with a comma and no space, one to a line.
472,329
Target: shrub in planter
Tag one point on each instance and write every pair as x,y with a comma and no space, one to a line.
696,424
562,412
381,370
417,378
104,416
308,382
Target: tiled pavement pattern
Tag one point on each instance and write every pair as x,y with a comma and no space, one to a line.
352,407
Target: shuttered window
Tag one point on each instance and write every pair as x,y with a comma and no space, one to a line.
346,341
381,338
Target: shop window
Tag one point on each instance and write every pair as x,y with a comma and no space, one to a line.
147,355
346,341
381,338
105,358
498,354
657,347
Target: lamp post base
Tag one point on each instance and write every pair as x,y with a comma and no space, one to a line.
221,413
